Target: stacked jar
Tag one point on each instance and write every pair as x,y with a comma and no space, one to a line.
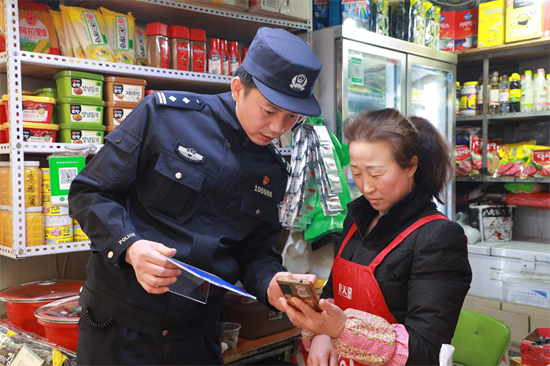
468,95
34,226
58,226
122,95
4,183
5,216
32,177
79,235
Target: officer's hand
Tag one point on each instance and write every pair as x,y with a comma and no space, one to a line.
274,291
153,271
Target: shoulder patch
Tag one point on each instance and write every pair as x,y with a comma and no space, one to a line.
280,158
179,100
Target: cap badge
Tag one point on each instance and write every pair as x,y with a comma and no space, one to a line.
299,82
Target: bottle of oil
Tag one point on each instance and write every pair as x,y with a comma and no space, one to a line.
494,94
515,93
504,95
480,88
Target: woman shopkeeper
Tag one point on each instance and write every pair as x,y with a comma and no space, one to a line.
402,272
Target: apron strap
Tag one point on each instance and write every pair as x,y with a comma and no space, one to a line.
402,237
348,237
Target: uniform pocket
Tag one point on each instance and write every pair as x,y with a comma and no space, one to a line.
259,208
177,187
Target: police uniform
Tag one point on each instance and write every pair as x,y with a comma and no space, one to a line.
181,171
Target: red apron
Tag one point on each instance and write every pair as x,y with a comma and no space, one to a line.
355,286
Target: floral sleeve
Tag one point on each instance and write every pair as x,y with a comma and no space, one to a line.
369,340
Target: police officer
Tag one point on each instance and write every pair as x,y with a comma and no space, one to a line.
194,177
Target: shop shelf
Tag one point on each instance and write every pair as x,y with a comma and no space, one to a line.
468,179
515,180
477,118
45,249
522,116
36,147
519,51
218,22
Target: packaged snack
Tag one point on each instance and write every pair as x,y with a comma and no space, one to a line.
476,151
357,10
75,49
523,20
141,46
466,30
447,31
89,28
120,29
36,28
491,23
512,159
538,163
60,30
379,22
463,162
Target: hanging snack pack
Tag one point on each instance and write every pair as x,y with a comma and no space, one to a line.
538,163
36,28
463,161
417,21
141,46
120,30
512,159
380,17
359,11
89,28
432,26
396,19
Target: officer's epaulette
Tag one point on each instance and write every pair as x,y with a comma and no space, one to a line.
179,100
280,158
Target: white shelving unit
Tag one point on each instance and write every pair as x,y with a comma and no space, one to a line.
227,24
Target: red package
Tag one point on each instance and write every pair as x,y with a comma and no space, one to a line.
463,164
537,200
466,29
476,151
447,31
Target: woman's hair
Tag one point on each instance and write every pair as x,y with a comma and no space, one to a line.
246,79
407,138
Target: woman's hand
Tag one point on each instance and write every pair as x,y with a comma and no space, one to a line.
321,352
331,321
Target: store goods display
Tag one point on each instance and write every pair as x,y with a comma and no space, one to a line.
358,11
417,21
36,28
512,159
60,321
527,93
33,132
22,300
158,45
515,93
447,31
468,99
546,24
80,110
79,84
527,188
89,28
215,62
79,234
141,46
46,186
548,89
504,95
58,229
198,50
476,151
495,222
117,112
397,21
33,182
179,47
491,23
320,14
523,20
457,103
235,58
49,93
121,89
34,226
494,94
535,348
432,27
538,163
120,29
540,100
73,46
380,18
466,29
35,109
224,50
60,31
463,161
4,184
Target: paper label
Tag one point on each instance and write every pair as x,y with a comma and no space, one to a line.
119,115
198,58
63,171
127,93
35,115
357,71
94,31
85,114
122,42
462,152
215,63
86,137
86,88
182,53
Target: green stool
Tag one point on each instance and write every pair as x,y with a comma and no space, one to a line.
479,340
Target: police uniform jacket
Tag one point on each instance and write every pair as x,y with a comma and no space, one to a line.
180,171
424,279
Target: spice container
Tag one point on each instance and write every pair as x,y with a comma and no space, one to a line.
124,89
4,184
215,64
468,101
224,50
79,84
33,132
48,93
198,50
81,133
234,57
35,109
33,185
81,110
58,229
117,112
34,223
179,46
158,46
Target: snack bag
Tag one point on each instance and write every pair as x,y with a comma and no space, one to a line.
141,46
60,30
75,47
512,159
476,151
463,162
36,28
120,31
89,28
538,163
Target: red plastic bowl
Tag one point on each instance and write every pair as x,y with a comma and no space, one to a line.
65,335
60,321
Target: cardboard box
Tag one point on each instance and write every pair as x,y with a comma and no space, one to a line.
546,26
447,31
296,9
357,10
523,20
466,29
334,13
320,14
491,23
525,309
538,322
266,7
232,4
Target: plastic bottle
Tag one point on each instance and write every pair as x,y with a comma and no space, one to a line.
515,93
457,109
480,95
215,63
468,99
234,57
158,45
179,44
504,95
527,94
494,92
541,92
198,50
548,90
224,50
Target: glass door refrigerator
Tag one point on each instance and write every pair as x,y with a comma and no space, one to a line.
364,70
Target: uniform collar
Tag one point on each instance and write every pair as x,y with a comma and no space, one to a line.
227,114
400,213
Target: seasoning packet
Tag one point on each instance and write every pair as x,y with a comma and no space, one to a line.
476,151
538,163
120,30
463,161
36,28
512,159
141,46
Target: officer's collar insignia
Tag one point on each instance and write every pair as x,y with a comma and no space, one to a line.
266,180
299,82
162,98
172,98
190,154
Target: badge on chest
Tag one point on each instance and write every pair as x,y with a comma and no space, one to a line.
190,154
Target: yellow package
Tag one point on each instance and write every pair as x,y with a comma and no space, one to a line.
89,28
120,29
538,162
69,33
141,46
58,24
491,24
36,28
523,19
512,159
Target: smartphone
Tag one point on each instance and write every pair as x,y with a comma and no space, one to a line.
302,289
